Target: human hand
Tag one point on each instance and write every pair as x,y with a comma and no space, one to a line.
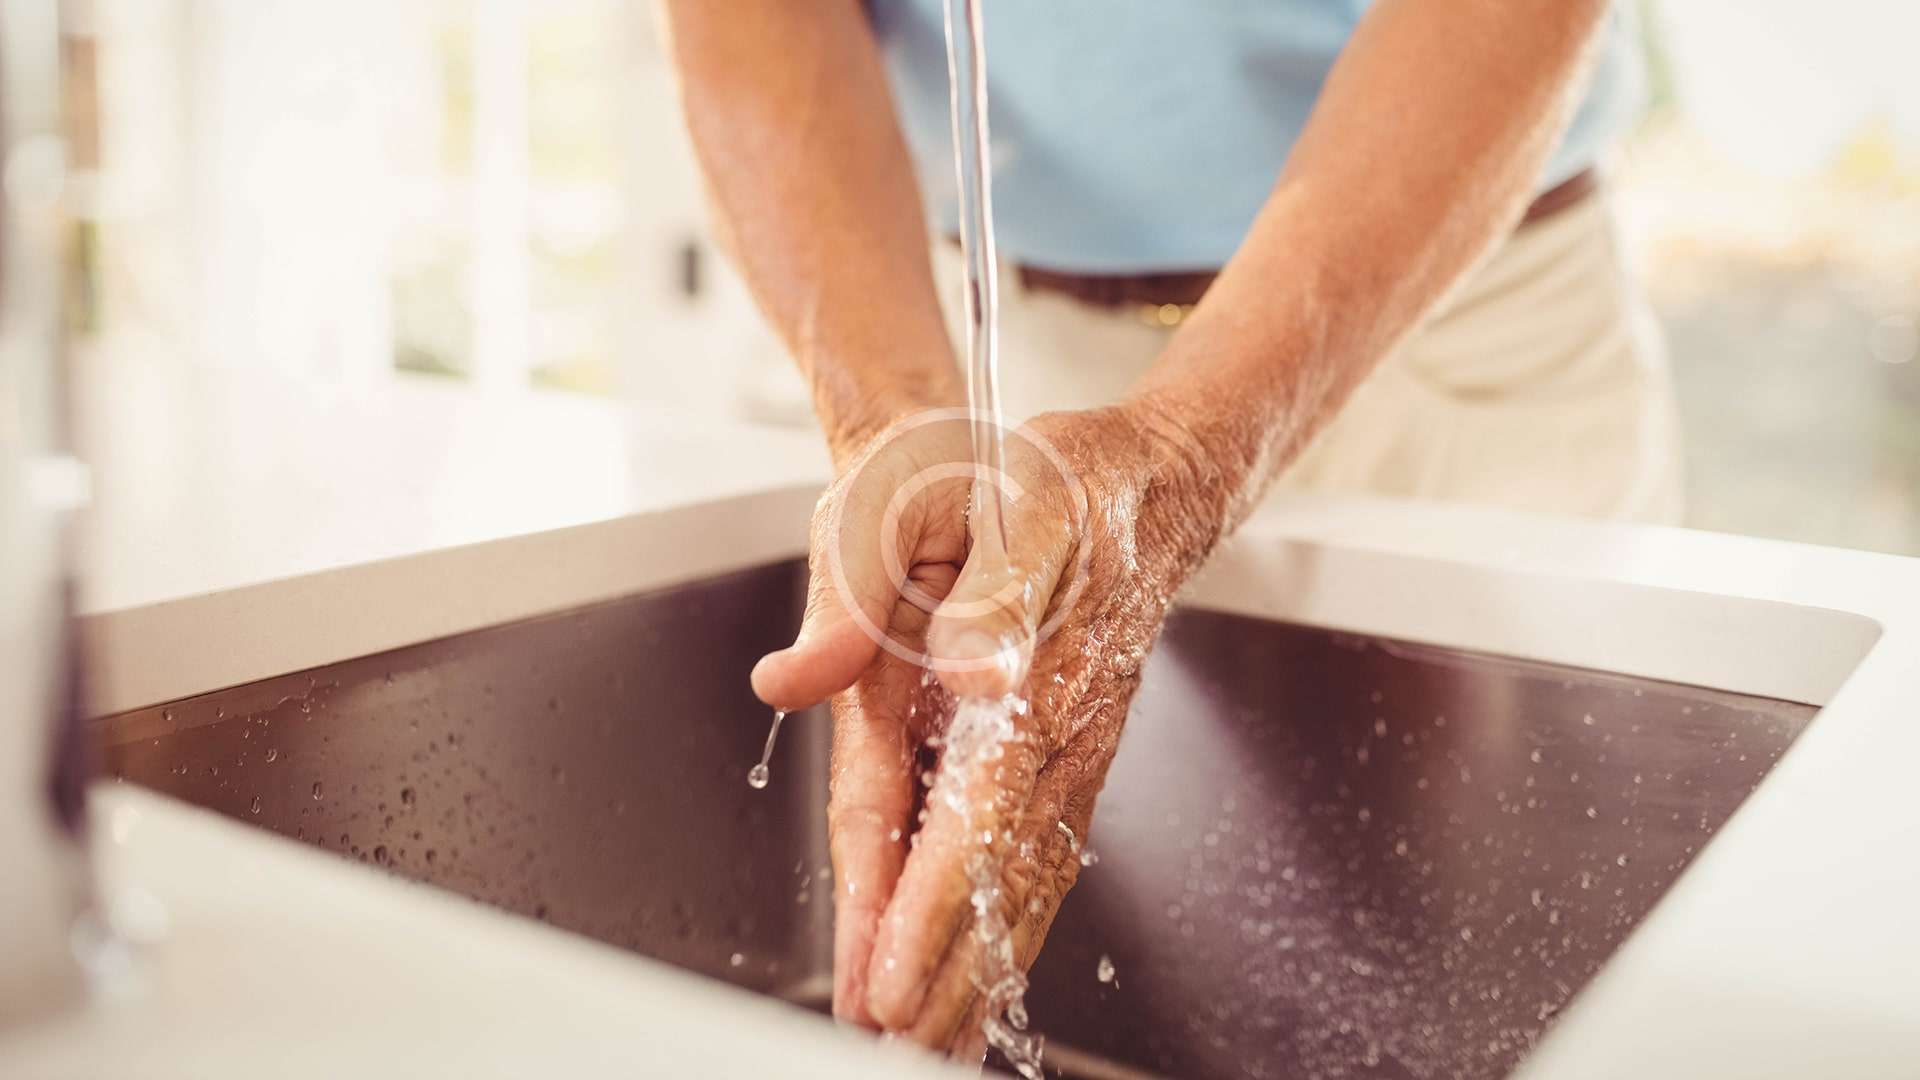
1109,513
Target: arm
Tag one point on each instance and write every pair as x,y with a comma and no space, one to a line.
814,196
1420,155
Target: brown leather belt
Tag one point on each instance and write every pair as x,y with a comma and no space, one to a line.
1165,298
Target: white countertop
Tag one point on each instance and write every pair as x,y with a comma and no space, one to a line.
275,962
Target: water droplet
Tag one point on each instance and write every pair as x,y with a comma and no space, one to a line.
1587,719
1592,812
272,753
316,790
256,804
758,776
406,796
1104,971
380,854
1534,757
736,959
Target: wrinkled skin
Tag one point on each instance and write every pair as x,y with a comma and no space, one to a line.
1136,524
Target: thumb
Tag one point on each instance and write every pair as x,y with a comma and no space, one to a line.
982,636
850,592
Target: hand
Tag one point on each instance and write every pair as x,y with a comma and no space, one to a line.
1101,534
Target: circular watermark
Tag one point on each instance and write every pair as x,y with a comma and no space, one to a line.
1894,339
1045,466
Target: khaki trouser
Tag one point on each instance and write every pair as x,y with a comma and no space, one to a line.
1540,383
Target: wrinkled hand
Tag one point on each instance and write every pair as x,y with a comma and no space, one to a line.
1107,513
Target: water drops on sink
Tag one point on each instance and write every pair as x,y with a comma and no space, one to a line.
1104,969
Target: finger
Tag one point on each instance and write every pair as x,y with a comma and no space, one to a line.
1043,865
986,776
982,636
970,1044
953,996
849,594
870,798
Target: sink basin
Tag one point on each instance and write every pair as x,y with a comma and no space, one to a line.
1320,854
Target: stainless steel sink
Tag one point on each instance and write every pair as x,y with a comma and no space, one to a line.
1319,855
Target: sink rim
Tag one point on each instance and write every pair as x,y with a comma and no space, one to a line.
1710,948
1310,559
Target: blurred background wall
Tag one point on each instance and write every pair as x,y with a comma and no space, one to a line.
494,197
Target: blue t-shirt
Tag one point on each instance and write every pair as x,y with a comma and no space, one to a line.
1144,135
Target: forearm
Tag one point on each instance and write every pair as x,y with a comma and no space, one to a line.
814,197
1420,156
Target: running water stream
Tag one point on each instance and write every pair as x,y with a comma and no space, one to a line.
973,171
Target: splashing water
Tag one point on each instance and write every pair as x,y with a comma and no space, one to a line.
975,743
758,776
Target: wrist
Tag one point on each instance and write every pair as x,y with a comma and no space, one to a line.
853,413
